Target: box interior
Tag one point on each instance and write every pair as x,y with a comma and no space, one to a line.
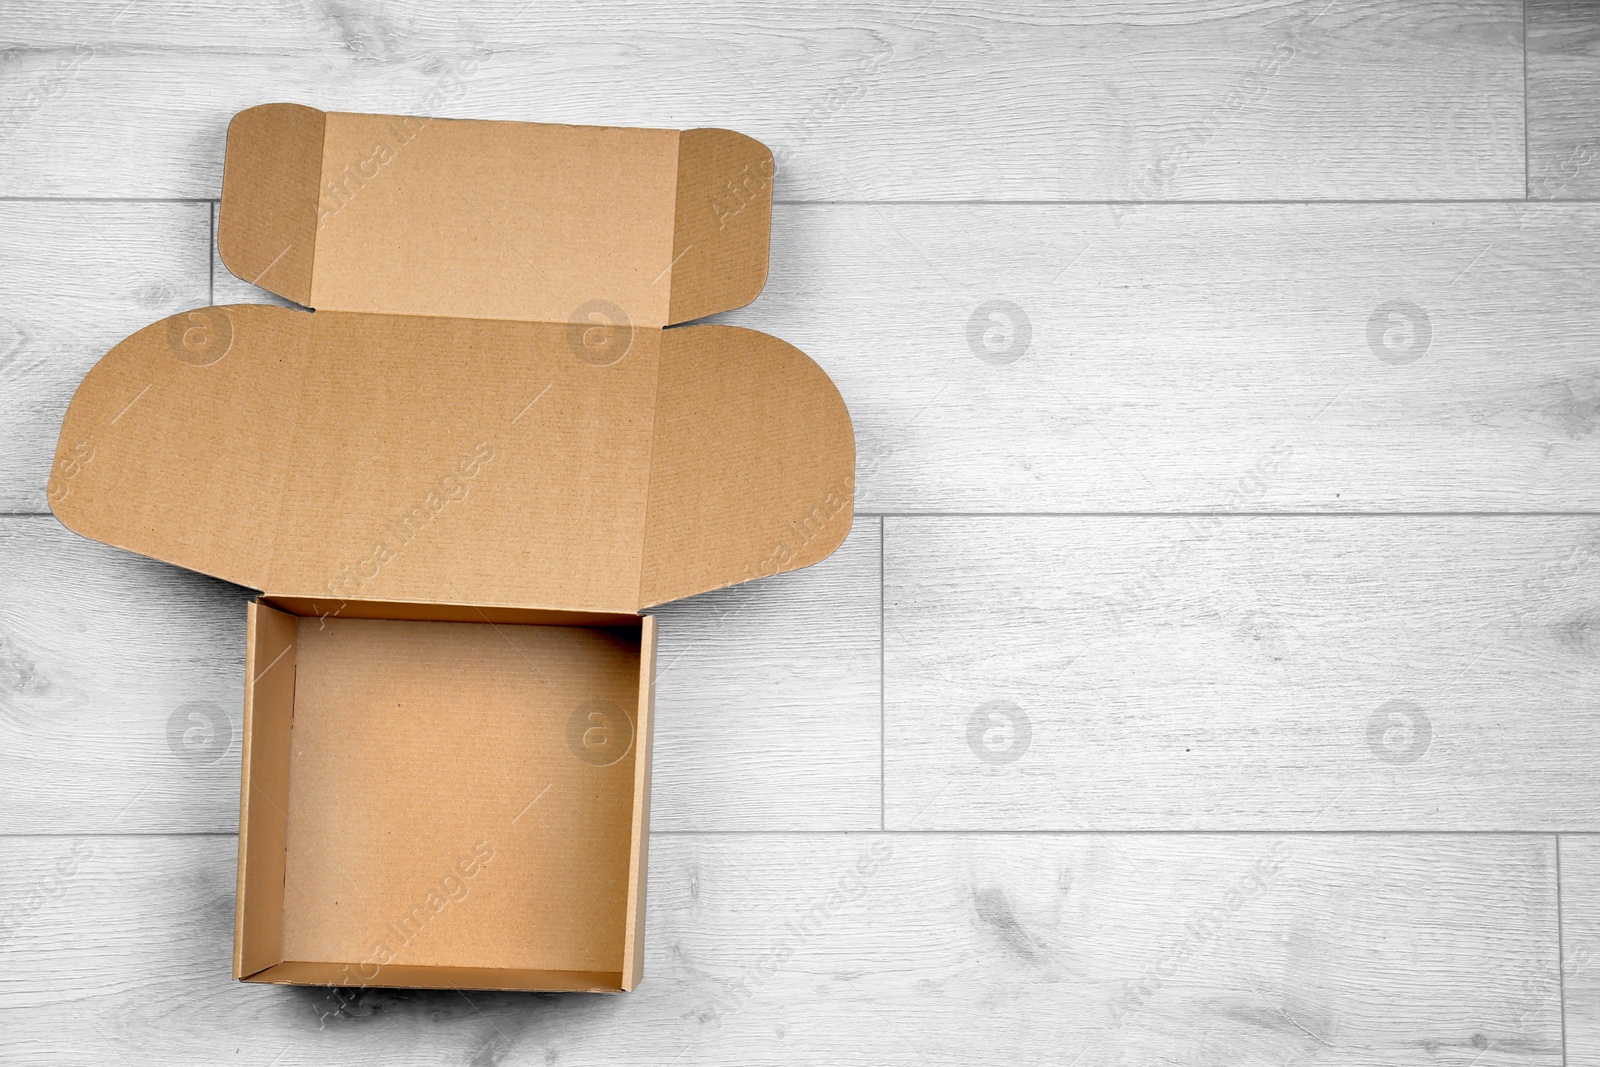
438,801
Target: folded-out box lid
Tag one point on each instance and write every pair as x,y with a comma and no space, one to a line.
494,220
449,427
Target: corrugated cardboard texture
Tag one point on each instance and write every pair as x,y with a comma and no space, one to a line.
444,810
506,220
754,463
501,220
274,163
465,461
638,863
264,789
723,223
189,459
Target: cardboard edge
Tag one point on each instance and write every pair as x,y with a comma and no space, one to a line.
419,976
722,223
638,863
271,191
264,789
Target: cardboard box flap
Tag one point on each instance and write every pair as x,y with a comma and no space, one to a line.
502,220
456,461
753,469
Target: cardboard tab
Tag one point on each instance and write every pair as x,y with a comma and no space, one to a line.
501,220
273,165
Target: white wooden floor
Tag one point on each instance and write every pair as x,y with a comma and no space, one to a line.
1212,675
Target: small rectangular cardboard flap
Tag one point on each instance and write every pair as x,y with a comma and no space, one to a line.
498,220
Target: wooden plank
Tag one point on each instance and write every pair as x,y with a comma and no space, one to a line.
1182,357
768,713
1563,84
1579,981
987,100
121,688
78,278
1242,673
1202,358
858,949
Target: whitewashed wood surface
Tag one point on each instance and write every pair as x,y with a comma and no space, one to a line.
1563,81
1580,945
1172,351
863,949
1242,673
925,100
1278,516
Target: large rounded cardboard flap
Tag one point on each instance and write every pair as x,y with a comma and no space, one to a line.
173,445
753,467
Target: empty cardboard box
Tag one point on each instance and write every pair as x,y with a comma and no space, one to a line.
458,484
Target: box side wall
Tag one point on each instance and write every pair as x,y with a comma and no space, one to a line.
264,789
294,972
325,608
633,945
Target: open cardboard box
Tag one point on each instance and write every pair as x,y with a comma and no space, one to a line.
458,484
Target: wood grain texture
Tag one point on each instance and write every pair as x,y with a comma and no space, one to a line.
121,689
1165,356
1244,672
989,100
857,949
1579,980
1172,353
78,278
1563,85
767,700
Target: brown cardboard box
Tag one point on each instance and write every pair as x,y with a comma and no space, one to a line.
458,484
